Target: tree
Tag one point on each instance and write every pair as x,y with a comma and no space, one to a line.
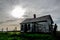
55,28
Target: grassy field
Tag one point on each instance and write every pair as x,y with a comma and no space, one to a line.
26,36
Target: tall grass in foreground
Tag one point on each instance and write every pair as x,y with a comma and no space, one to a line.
25,36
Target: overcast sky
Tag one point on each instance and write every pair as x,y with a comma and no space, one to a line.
38,7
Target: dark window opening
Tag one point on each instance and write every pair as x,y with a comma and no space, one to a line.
25,28
22,28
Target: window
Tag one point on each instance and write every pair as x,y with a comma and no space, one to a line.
25,27
29,27
22,28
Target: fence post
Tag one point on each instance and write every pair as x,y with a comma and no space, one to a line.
2,29
7,29
15,29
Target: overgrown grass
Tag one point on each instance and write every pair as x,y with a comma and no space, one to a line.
38,36
25,36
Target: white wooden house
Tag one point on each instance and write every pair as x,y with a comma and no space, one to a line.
37,24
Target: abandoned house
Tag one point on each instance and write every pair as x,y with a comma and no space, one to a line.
37,24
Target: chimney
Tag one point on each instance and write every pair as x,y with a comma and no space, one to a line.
34,15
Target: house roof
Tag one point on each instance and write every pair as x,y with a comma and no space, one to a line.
41,19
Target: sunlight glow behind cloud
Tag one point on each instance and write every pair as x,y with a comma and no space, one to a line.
18,12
